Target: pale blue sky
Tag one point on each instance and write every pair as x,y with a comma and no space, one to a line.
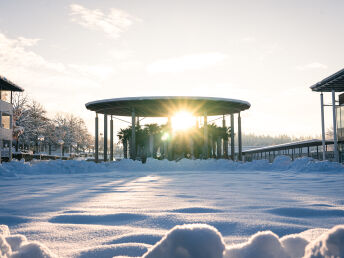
66,53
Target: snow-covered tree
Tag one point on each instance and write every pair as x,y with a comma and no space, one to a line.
32,126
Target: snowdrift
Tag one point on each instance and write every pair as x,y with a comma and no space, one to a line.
281,163
17,246
202,241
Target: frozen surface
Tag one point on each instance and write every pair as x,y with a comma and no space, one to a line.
83,209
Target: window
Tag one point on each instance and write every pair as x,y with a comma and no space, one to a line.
5,95
6,121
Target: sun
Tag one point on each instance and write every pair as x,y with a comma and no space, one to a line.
183,120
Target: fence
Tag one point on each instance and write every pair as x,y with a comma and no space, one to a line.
309,148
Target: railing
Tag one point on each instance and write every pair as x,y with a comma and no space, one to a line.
310,148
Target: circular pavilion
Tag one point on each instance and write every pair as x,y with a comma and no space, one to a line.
165,106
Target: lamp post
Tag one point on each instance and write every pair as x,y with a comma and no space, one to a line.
40,140
61,142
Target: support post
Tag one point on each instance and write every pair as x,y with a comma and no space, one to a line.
218,148
335,143
10,150
169,141
239,137
225,139
151,146
96,143
133,140
105,137
1,147
205,136
322,126
111,139
192,153
232,138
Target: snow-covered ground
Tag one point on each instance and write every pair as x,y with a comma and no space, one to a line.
83,209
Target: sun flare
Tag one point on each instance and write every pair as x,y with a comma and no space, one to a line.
183,120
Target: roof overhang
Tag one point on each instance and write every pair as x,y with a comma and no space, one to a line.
8,85
164,106
333,82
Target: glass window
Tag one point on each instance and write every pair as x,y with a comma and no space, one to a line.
340,123
6,121
5,95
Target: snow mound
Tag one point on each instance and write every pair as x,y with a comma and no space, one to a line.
189,241
294,245
199,240
261,245
329,244
267,244
194,241
17,246
281,163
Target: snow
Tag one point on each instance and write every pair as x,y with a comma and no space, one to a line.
17,246
329,244
261,245
195,240
164,208
282,163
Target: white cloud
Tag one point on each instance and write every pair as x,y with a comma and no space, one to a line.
113,23
17,58
184,63
248,39
14,54
314,65
97,71
53,84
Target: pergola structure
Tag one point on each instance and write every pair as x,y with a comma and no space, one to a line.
164,106
334,83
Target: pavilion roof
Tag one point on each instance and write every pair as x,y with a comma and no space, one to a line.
333,82
163,106
6,84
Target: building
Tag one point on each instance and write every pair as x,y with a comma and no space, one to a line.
6,116
333,84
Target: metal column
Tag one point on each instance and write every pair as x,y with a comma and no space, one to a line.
225,140
10,151
96,143
335,147
205,136
322,126
133,140
232,138
111,139
105,137
169,141
239,137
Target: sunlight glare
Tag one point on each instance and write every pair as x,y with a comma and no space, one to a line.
183,120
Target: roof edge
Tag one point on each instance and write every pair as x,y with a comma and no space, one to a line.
326,80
